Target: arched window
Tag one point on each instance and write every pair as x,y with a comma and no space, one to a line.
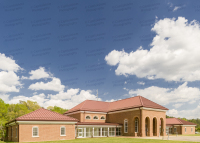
136,125
103,118
125,126
87,117
95,118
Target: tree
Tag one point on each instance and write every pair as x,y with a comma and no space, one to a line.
3,117
57,109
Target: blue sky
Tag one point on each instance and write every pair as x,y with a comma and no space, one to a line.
60,52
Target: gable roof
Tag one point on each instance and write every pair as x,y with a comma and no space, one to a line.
44,115
176,121
101,106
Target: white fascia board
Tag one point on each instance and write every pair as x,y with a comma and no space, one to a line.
188,125
123,111
81,126
153,109
45,122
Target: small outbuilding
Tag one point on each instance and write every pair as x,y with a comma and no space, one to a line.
179,126
41,125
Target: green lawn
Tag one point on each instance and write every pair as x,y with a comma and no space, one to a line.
114,140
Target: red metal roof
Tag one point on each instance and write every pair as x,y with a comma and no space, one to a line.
101,106
176,121
97,123
44,115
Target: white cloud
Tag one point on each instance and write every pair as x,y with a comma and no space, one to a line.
39,73
174,55
141,82
54,85
189,114
8,64
4,97
164,96
178,105
112,100
67,99
176,8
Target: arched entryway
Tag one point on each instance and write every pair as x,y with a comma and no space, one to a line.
154,126
136,126
147,126
161,126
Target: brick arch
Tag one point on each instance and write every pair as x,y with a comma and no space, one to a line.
161,126
147,126
138,126
155,126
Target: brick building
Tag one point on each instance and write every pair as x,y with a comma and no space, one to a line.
41,125
179,126
135,116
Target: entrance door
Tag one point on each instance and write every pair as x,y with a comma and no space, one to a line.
80,132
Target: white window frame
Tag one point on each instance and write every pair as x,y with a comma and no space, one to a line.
191,129
125,121
37,131
103,117
97,118
185,129
65,130
88,116
16,132
137,125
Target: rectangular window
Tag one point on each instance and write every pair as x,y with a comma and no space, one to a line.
118,131
125,126
35,132
62,131
174,130
111,131
185,129
191,129
16,132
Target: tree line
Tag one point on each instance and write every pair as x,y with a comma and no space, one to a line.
9,112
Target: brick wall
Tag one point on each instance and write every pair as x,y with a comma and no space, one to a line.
131,115
46,133
81,117
188,130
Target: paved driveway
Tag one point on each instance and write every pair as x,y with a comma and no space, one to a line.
178,138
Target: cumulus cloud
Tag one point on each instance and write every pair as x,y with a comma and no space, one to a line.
39,73
54,85
189,114
9,81
174,55
164,96
178,105
8,64
70,98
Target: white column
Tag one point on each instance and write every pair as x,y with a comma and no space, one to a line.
93,132
84,132
101,132
108,131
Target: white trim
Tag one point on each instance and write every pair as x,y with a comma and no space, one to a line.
188,125
12,124
37,131
123,111
60,130
96,116
144,108
125,126
89,116
81,126
44,122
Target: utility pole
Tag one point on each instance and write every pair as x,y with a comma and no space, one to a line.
97,94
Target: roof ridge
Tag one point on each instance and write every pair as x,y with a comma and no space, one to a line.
83,104
123,99
29,113
179,120
141,101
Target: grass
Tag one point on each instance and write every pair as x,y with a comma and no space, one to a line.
113,140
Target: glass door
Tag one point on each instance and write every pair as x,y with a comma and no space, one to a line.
80,132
